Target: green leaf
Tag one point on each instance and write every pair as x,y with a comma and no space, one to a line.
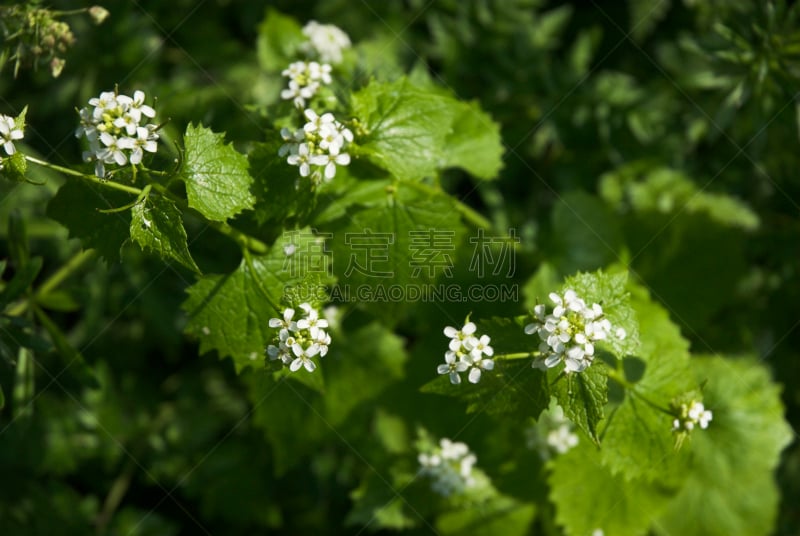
229,313
348,195
21,282
280,195
512,387
404,241
376,503
474,144
588,496
156,226
731,490
2,398
500,515
76,205
638,441
583,396
14,167
287,413
216,176
669,191
359,366
540,285
406,127
609,290
412,132
278,41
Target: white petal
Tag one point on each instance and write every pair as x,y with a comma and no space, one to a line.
296,364
530,329
475,375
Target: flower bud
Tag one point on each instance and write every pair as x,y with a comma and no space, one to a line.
98,14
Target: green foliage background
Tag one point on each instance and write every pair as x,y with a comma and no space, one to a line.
658,134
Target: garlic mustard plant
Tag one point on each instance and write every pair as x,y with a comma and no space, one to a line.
690,415
466,351
9,133
325,41
449,466
569,331
298,341
321,143
305,79
118,130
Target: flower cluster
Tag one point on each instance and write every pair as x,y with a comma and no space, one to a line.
320,143
691,415
299,341
305,79
466,351
325,41
9,133
449,466
569,332
553,432
118,130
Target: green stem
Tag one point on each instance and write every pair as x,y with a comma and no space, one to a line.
115,495
468,213
63,273
245,241
515,355
85,176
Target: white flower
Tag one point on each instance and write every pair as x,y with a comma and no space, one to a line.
286,322
478,366
299,341
114,149
561,439
552,433
569,332
312,322
458,336
9,133
452,366
137,108
305,79
301,158
320,143
450,467
117,130
467,351
329,162
318,122
297,93
320,72
326,41
691,415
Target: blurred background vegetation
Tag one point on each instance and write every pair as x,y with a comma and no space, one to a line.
668,127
